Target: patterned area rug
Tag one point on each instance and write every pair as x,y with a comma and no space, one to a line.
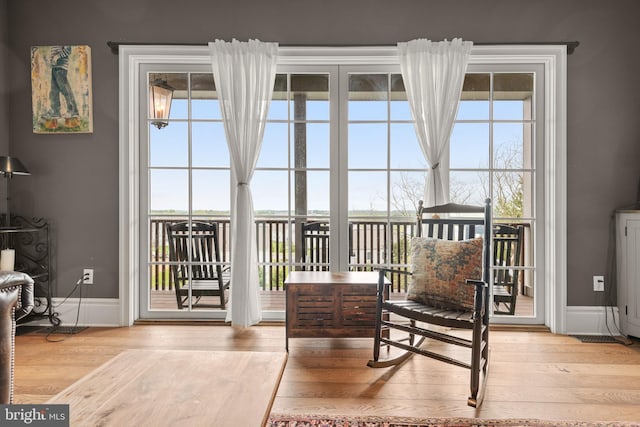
283,420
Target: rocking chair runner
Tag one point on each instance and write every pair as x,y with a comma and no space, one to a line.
196,265
446,296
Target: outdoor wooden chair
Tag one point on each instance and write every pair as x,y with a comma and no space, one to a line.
315,246
196,266
507,252
448,288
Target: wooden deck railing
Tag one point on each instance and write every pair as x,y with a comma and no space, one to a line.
368,249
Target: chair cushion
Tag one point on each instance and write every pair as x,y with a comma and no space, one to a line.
440,268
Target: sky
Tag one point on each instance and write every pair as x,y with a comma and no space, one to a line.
367,154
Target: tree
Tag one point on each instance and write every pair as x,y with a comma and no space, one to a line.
409,190
508,185
406,194
509,195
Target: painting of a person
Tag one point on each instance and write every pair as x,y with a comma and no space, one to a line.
61,89
60,86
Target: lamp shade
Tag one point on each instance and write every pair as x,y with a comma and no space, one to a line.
160,95
12,166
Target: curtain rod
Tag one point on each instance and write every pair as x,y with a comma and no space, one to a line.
571,46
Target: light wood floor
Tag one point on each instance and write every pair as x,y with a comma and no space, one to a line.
532,374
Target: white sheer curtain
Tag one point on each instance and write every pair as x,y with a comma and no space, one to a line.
244,74
433,74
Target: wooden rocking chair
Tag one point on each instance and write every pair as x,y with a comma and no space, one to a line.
315,246
507,253
196,265
448,288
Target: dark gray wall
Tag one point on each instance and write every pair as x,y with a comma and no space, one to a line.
4,83
75,177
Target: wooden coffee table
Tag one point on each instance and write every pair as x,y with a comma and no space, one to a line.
177,387
330,304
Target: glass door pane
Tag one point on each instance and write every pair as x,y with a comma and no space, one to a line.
491,155
385,171
291,185
513,175
188,183
368,148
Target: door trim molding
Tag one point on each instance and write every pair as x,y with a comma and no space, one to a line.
553,58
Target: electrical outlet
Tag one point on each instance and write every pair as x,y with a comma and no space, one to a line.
598,283
87,276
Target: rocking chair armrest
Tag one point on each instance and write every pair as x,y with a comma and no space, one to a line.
479,284
384,270
481,288
381,273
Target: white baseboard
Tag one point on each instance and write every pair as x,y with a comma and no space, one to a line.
589,320
93,312
105,312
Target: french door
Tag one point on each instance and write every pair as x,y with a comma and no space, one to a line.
341,162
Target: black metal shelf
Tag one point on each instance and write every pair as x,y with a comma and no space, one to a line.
30,239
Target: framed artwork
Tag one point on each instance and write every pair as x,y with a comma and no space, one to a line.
61,89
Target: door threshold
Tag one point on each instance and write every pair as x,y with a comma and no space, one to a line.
519,328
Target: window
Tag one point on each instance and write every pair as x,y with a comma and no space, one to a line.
339,149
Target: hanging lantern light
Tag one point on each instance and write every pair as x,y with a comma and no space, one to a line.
161,95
